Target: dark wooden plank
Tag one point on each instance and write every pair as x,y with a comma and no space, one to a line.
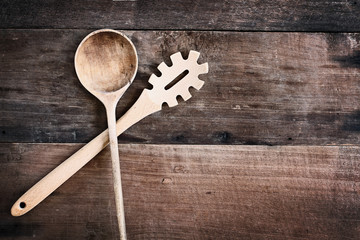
267,15
189,192
262,88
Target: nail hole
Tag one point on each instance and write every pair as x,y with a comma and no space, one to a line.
22,205
166,180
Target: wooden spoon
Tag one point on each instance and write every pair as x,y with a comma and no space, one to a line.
106,63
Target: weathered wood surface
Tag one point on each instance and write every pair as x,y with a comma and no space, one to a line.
267,15
189,192
262,89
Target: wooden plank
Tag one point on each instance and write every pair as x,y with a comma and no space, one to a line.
262,88
189,192
267,15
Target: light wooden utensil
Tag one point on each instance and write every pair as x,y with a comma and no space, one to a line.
150,101
106,64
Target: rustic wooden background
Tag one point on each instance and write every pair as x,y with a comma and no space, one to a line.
268,149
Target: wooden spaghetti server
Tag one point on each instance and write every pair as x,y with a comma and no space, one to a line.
150,101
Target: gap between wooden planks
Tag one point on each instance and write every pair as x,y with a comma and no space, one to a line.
189,192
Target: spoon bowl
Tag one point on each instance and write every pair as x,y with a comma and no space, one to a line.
106,63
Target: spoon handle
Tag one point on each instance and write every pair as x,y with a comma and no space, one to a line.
119,200
143,107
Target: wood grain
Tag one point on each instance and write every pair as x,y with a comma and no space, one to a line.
267,15
189,192
261,89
